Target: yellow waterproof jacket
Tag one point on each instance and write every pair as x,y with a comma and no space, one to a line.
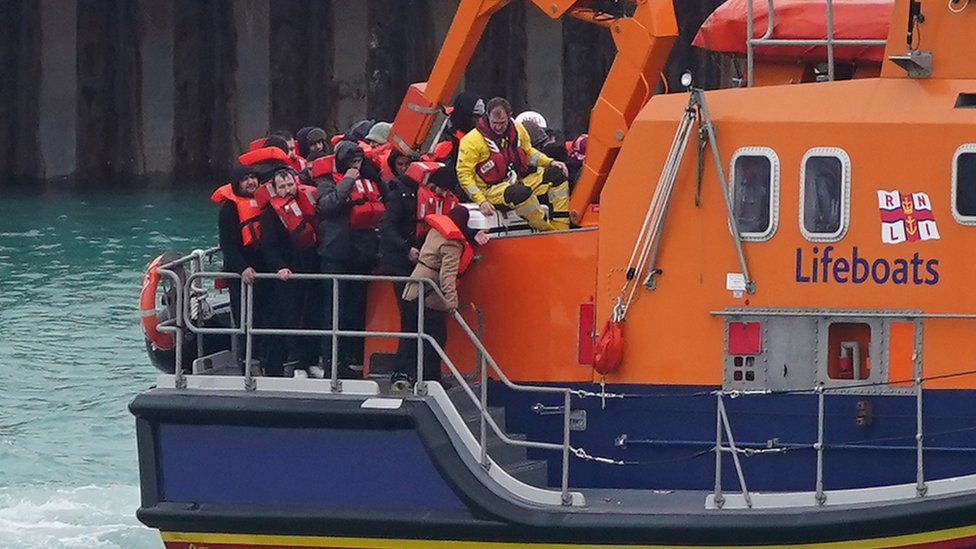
473,150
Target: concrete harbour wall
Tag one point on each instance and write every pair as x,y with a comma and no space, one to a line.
160,92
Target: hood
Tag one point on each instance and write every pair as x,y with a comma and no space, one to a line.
345,153
465,108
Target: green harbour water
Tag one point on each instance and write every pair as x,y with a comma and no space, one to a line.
72,357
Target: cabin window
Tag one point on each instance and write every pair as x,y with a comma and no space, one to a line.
848,351
825,185
755,192
964,185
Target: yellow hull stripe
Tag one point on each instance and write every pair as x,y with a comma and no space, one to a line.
374,543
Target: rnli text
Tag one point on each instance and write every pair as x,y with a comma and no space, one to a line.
822,267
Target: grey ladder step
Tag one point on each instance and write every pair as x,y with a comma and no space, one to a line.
531,471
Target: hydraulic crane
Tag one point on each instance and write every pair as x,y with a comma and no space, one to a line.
643,32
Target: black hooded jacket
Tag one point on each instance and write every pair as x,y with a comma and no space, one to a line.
338,242
398,228
236,256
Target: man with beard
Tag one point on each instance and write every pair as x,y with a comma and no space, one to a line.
498,166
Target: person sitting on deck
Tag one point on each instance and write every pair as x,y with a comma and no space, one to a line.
445,255
288,242
498,166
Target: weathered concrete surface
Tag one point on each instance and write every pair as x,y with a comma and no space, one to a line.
349,72
301,46
252,21
158,92
20,55
205,63
109,92
58,117
544,73
400,52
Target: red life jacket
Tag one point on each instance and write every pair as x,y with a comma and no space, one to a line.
367,206
298,163
445,225
248,210
256,144
264,154
380,155
323,166
431,203
445,149
503,156
298,215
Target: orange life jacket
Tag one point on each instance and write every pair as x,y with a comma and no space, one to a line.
445,149
446,226
502,157
264,154
431,203
298,215
248,210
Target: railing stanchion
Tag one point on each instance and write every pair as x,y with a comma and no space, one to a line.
484,411
820,497
198,268
566,498
719,498
830,40
249,383
418,387
178,336
334,359
921,489
735,453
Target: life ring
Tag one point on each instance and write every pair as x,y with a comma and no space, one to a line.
147,308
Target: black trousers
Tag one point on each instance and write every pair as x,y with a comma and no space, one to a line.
352,311
402,344
435,325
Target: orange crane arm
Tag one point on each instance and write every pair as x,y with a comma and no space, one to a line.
643,41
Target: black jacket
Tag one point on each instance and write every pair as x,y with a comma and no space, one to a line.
338,242
236,257
398,227
278,250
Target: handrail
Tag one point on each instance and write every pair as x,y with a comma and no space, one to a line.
248,330
819,493
767,40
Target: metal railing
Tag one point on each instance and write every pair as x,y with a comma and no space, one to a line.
192,285
724,427
767,39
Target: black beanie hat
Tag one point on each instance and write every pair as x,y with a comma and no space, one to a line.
275,141
444,178
360,130
345,154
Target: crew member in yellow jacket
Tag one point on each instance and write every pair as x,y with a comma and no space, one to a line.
498,166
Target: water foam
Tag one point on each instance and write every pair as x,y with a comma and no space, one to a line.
95,517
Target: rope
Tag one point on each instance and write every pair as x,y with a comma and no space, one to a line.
965,4
582,454
736,393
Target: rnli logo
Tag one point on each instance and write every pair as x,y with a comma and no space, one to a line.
906,217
